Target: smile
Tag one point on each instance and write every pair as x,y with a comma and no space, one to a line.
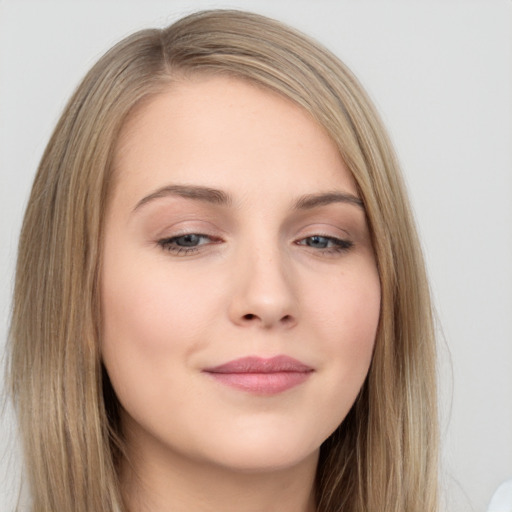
262,376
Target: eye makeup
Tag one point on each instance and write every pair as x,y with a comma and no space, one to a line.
187,227
186,244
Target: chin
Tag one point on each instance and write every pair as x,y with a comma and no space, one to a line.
265,452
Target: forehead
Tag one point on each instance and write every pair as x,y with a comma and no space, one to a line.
225,132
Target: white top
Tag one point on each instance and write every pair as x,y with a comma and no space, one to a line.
502,498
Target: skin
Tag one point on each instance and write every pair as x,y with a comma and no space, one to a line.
267,277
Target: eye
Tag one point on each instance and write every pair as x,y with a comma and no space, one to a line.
326,243
185,244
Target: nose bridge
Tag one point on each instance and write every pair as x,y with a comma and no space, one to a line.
264,286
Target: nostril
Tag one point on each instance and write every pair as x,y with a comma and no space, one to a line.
284,320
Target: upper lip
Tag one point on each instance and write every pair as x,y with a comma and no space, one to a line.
255,364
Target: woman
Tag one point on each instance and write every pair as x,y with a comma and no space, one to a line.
226,305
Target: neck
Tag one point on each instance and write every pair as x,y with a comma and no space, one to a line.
166,483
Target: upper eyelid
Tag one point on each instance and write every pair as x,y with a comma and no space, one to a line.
201,211
293,231
325,229
190,227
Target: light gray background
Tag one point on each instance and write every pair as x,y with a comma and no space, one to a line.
440,74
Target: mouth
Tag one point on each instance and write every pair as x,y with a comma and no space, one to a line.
262,376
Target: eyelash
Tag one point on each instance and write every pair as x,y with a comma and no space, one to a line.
338,245
167,244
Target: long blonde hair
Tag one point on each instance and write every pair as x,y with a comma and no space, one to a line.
384,455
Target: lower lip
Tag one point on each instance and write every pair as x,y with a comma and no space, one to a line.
262,383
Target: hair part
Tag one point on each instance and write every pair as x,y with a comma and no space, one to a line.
384,454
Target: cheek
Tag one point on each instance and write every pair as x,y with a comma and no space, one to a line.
346,317
146,306
152,320
347,308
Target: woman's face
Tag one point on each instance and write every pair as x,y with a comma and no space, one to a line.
240,295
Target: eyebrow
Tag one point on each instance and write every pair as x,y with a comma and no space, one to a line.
206,194
310,201
219,197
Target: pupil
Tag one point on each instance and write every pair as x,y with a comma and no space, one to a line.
318,241
188,240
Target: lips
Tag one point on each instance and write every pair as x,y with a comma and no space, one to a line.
265,376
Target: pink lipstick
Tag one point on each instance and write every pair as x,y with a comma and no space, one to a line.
263,376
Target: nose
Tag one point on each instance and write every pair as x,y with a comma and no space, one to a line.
263,291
